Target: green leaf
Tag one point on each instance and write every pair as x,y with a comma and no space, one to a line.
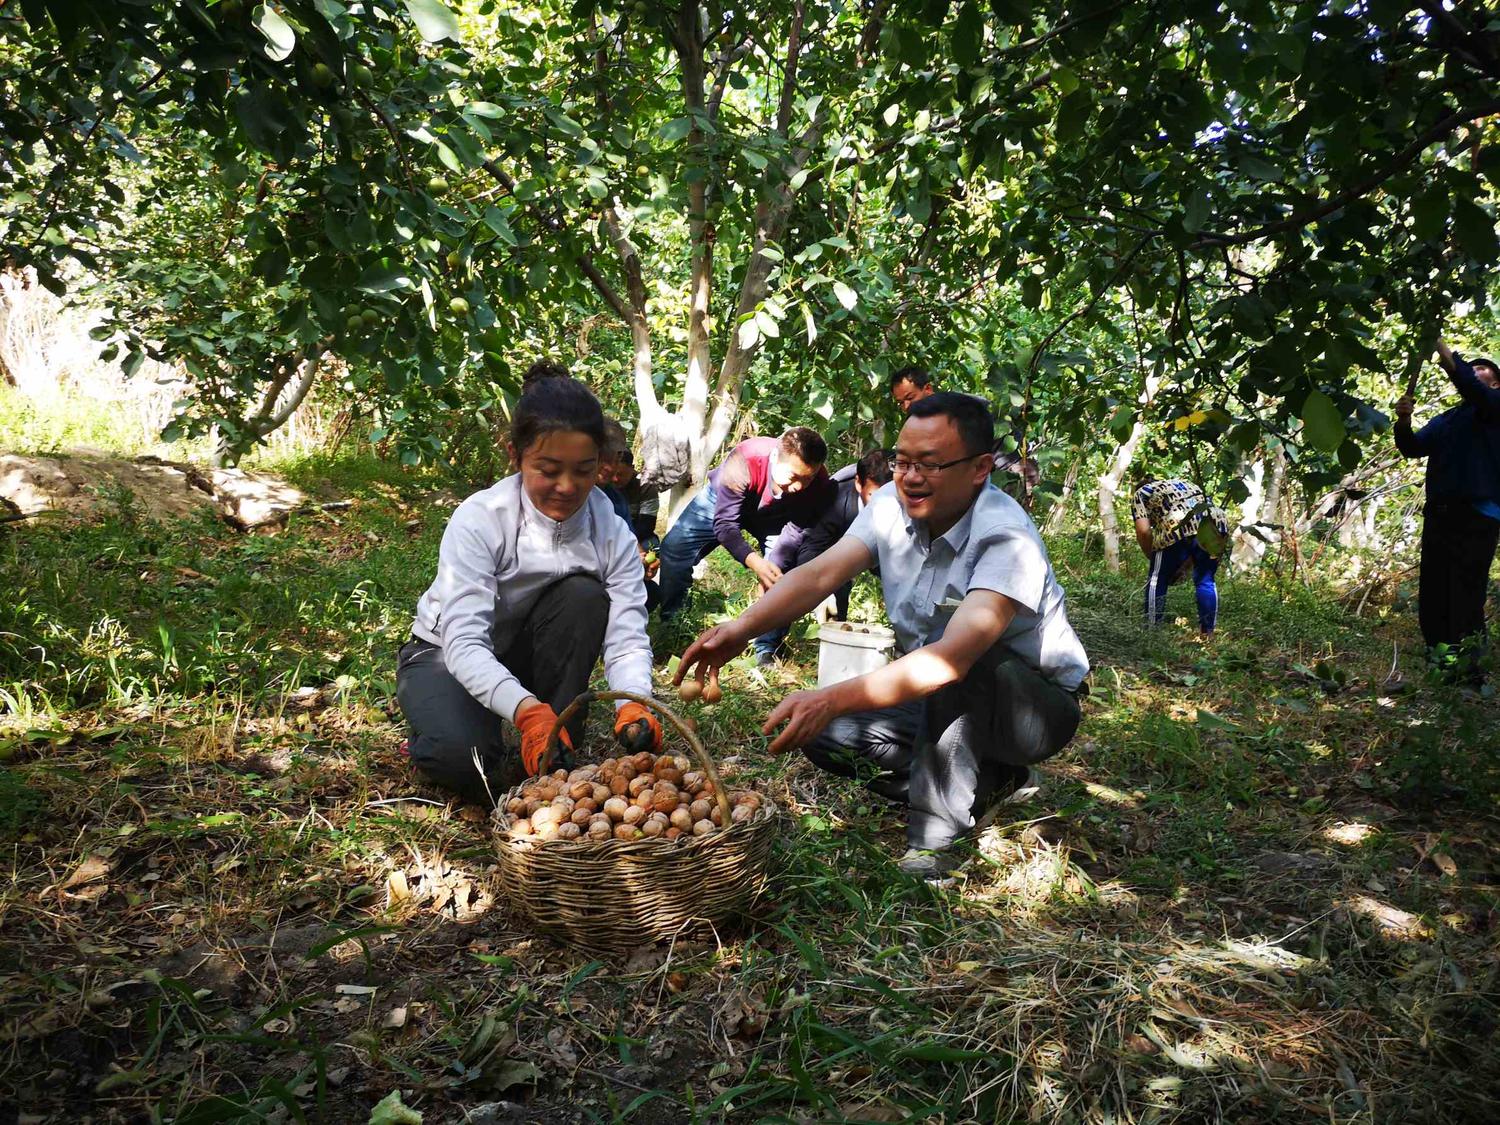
1322,423
1475,230
1258,169
383,279
434,20
495,219
937,1052
1073,115
1429,211
968,34
1210,538
749,334
390,1110
267,119
281,40
1197,211
847,296
676,129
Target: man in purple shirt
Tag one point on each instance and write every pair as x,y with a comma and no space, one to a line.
772,488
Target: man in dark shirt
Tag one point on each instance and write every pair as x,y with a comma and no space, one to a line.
1461,519
643,503
772,488
856,484
637,505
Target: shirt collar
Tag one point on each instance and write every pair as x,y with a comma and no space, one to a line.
771,463
957,536
530,513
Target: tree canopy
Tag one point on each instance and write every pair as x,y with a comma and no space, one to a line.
1254,200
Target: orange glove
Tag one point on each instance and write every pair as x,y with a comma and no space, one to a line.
636,728
536,724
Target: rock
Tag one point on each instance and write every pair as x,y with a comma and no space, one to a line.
251,500
1287,863
163,490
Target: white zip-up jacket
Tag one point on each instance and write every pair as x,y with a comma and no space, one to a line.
498,554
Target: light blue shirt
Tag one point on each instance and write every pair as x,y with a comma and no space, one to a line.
995,546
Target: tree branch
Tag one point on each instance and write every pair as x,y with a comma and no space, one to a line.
1364,187
305,363
584,259
789,82
1474,49
630,260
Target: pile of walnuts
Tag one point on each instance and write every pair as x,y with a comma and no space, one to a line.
626,798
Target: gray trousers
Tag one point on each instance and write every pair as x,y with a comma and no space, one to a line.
946,756
553,655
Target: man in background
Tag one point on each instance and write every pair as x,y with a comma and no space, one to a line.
771,489
1461,518
1170,518
912,384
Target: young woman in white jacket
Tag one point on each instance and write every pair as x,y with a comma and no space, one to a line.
537,578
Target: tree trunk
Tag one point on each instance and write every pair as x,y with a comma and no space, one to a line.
1249,549
294,377
1054,521
1119,465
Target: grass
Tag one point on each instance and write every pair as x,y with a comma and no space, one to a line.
1260,885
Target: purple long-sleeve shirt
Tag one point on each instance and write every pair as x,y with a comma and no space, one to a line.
746,499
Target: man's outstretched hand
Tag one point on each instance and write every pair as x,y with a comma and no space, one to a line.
715,648
805,714
1404,407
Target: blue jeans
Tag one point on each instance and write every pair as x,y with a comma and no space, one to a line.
1165,566
690,541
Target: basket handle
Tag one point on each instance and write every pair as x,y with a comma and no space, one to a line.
688,734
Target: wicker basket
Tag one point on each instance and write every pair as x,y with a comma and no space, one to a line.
613,896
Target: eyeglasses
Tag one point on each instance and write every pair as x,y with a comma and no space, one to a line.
900,466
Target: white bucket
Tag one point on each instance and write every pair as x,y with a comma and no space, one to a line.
847,650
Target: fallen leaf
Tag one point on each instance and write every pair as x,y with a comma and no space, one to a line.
355,990
397,889
93,868
513,1073
395,1018
562,1050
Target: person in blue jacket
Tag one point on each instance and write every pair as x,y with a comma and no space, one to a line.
1461,518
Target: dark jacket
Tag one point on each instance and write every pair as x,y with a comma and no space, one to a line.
836,520
1462,444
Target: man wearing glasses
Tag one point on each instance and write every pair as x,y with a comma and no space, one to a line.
991,673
